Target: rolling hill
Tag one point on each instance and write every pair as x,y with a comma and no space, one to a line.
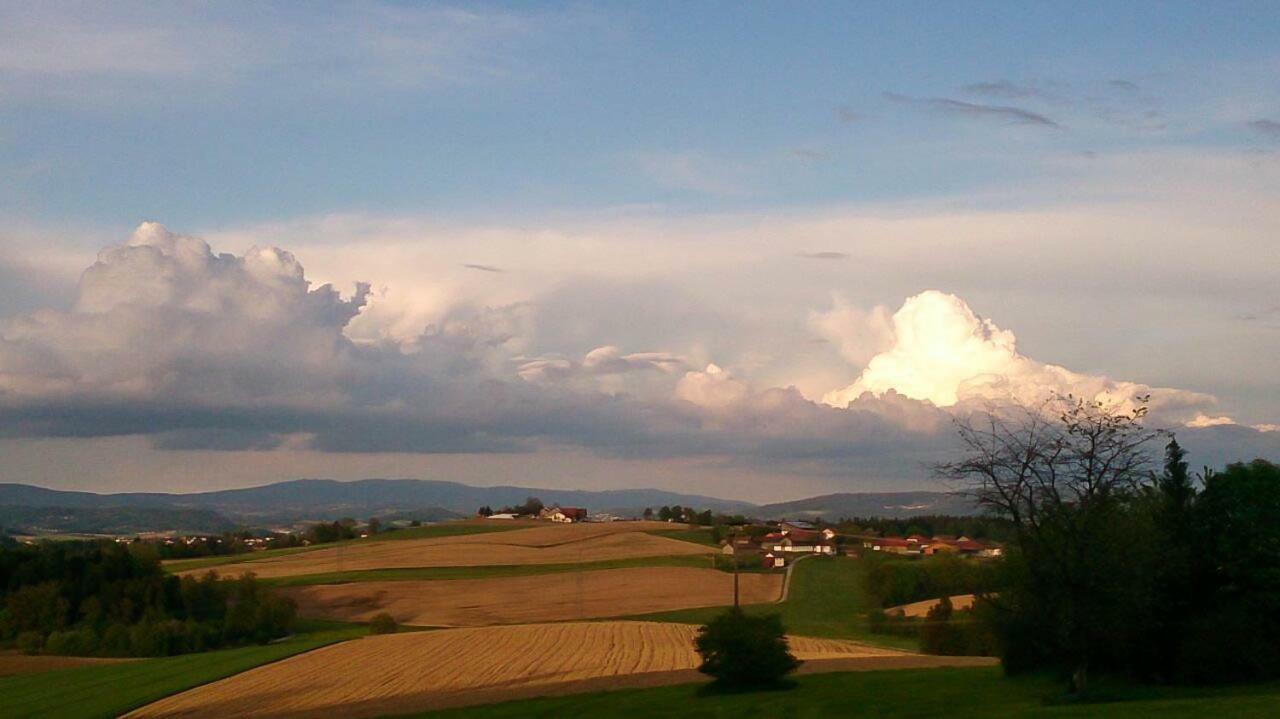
27,506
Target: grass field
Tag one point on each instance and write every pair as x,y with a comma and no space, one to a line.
429,531
954,693
108,690
827,599
410,672
697,535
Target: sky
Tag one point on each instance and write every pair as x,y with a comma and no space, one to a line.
753,250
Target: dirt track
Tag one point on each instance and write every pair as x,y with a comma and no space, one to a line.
404,673
541,598
550,544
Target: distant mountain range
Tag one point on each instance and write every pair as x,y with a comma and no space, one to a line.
36,509
872,504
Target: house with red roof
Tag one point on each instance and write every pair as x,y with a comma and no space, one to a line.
556,513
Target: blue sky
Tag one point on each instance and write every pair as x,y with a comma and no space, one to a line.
549,107
769,188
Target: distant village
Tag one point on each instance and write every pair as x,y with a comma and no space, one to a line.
746,541
775,545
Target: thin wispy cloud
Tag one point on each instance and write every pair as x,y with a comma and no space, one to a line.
1001,89
1269,129
847,115
100,53
1125,86
808,155
694,171
960,108
483,268
826,255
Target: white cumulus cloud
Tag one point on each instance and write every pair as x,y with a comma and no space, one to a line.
162,315
942,352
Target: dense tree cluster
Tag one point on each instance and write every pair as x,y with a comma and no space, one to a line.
325,532
891,580
530,507
108,599
687,515
1116,568
980,527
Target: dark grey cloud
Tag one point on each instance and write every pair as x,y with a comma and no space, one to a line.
826,255
960,108
483,268
1268,128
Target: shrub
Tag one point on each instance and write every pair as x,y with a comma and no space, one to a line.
947,632
30,642
894,624
73,642
383,623
743,652
1229,644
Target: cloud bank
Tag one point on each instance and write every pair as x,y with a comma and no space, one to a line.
199,350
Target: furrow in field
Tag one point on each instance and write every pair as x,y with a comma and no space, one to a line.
419,671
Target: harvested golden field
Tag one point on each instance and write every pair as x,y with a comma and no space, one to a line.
549,544
921,608
401,673
12,662
538,598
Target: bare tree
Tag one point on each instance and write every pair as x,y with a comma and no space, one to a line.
1062,472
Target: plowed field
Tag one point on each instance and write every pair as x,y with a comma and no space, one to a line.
402,673
544,598
551,544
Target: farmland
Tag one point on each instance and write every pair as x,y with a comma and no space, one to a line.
955,693
515,598
408,672
921,609
827,599
537,598
539,545
108,689
429,531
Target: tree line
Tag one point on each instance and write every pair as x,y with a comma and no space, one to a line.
1119,566
686,515
980,527
109,599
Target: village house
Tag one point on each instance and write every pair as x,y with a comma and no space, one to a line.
892,545
919,545
790,541
740,545
556,513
